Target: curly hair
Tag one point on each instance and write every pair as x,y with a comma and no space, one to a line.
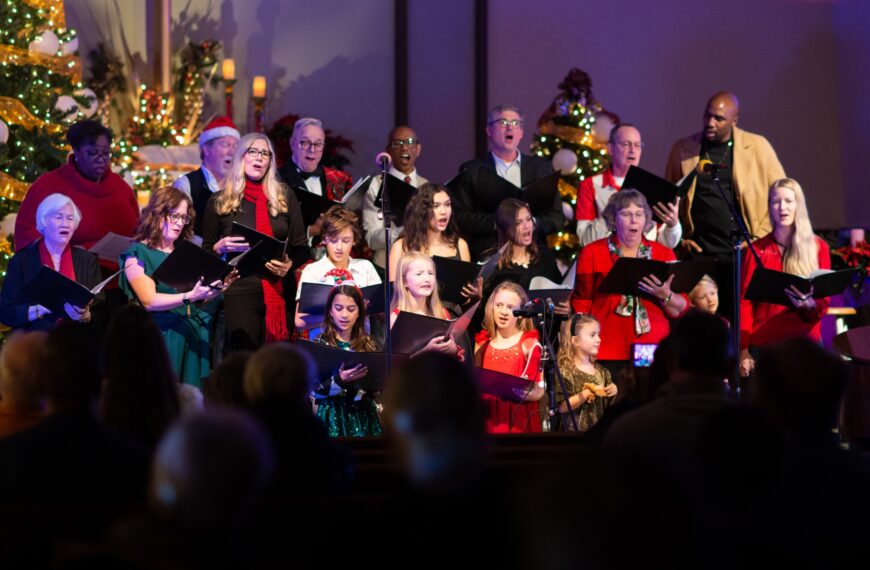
338,219
506,226
623,199
359,340
229,199
163,200
523,323
419,213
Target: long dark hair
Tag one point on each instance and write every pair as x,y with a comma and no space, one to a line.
140,389
418,214
506,225
162,201
359,340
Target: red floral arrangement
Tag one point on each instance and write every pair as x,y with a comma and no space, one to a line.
848,256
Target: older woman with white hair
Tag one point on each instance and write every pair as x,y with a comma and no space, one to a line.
57,218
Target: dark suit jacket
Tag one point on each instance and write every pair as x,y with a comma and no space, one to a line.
22,267
476,214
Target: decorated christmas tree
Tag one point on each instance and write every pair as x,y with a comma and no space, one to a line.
572,133
41,94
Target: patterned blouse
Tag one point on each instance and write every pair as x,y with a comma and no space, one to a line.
590,412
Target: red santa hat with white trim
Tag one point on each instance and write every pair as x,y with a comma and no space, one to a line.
219,127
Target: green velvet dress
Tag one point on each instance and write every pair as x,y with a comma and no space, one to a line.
351,413
186,336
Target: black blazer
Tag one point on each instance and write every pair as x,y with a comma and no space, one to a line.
22,267
475,214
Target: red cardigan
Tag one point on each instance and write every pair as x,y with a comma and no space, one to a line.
762,324
617,332
107,205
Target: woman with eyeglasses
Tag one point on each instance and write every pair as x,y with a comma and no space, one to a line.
257,310
184,324
643,317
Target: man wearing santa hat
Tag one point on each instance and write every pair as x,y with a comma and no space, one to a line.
217,143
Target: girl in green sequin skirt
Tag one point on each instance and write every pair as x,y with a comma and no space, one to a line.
346,410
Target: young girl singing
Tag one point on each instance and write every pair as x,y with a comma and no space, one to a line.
416,291
510,344
588,382
345,410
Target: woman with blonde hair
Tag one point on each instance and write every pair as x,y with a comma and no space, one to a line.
793,248
257,310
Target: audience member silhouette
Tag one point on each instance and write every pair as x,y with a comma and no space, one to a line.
21,402
225,384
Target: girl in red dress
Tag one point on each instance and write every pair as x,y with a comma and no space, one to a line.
510,344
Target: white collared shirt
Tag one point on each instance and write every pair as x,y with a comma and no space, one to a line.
183,182
510,171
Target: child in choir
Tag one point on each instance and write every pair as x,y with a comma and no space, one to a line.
347,411
510,344
705,295
416,291
589,384
340,232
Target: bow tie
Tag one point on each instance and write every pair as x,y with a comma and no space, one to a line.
307,175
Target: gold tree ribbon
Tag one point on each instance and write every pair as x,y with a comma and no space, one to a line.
13,112
67,65
54,8
12,189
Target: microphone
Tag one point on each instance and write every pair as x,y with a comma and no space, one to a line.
707,167
531,309
383,160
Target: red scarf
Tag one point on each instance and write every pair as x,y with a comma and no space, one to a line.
273,291
66,262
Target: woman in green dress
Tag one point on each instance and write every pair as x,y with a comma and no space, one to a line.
185,325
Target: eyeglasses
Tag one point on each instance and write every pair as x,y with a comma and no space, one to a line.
409,142
175,217
255,152
505,123
625,145
98,154
311,145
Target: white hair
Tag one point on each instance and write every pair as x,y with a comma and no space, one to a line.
306,122
51,205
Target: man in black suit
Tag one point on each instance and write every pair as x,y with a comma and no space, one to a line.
475,210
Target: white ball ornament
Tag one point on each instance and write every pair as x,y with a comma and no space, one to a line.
601,130
70,47
7,225
68,106
4,132
46,43
565,161
88,111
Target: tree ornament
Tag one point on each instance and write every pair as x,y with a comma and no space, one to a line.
45,43
70,47
565,161
87,93
4,132
68,106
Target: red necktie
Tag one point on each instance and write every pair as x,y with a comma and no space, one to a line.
407,179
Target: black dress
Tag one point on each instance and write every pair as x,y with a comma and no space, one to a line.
244,305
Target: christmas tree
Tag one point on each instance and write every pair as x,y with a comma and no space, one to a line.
570,134
41,94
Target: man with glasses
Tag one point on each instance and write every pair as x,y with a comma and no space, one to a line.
217,144
625,148
404,149
475,213
304,171
749,167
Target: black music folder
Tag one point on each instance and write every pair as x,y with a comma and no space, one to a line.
188,263
504,386
264,248
454,274
768,285
627,272
313,205
411,331
399,193
540,194
313,297
655,189
329,359
52,289
543,288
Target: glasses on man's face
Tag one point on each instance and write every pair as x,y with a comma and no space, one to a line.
409,142
97,154
505,123
625,145
311,145
175,217
255,152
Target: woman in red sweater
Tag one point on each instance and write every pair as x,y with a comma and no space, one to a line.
793,248
626,319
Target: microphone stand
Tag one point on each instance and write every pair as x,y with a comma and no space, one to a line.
388,222
739,232
551,368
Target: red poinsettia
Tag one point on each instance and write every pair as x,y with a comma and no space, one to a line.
857,256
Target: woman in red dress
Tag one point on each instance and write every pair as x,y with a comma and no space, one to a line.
626,319
509,344
793,248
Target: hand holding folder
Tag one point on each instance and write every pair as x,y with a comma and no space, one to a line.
625,275
330,360
770,286
411,332
189,265
456,277
53,291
